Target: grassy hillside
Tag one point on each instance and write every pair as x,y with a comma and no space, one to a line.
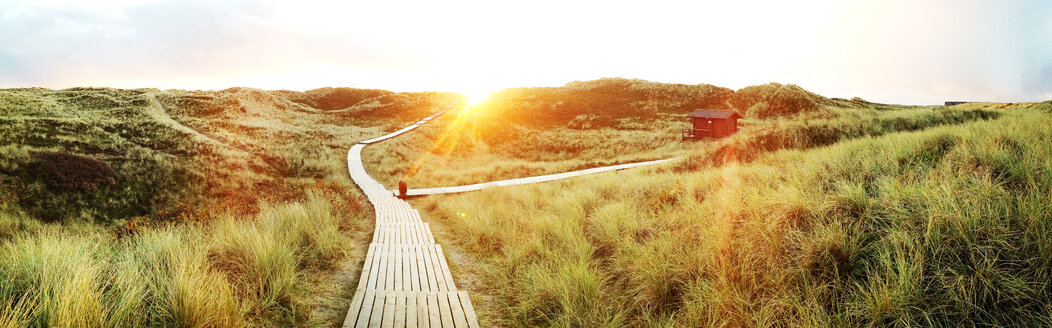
533,131
209,149
185,208
233,208
933,226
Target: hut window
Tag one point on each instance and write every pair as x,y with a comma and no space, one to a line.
710,122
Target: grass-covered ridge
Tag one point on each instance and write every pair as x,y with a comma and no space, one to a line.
233,207
129,208
209,149
944,226
534,131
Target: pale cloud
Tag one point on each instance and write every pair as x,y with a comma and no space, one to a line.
890,51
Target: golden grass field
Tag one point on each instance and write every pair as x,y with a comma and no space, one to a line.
233,207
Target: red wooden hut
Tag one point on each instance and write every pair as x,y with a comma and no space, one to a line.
712,123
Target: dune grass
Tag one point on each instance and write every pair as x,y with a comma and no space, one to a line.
130,208
945,226
209,150
230,272
232,208
455,150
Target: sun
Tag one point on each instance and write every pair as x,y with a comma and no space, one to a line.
475,97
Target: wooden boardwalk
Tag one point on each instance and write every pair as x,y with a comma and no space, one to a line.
405,281
519,181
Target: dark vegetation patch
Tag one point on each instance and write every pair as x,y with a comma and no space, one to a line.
65,172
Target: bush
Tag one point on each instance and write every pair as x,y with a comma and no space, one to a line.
65,172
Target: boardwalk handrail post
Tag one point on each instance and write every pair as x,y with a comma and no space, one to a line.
402,187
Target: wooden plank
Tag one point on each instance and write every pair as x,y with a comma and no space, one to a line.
363,277
414,269
434,277
421,236
403,237
414,233
381,274
421,310
367,307
407,229
374,269
443,308
421,268
469,310
411,316
459,320
389,310
376,317
392,235
433,316
445,268
390,276
355,308
397,269
407,269
400,310
430,236
428,271
440,269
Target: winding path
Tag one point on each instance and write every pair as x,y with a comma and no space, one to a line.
405,281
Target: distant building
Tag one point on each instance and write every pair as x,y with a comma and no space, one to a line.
712,123
951,103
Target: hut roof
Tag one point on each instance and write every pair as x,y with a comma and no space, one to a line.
714,113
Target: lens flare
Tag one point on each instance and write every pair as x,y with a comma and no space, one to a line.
449,138
475,97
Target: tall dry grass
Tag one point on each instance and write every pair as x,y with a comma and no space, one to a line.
234,271
155,196
945,226
450,151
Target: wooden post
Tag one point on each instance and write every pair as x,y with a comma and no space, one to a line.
402,187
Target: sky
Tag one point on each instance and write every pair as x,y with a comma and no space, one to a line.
892,51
